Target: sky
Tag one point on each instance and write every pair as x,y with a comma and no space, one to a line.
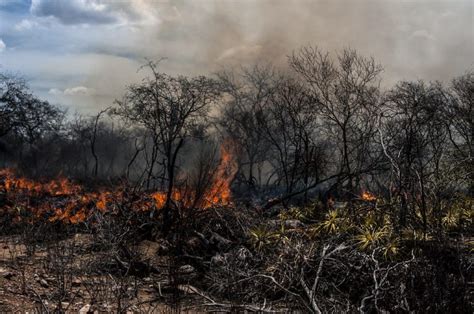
82,54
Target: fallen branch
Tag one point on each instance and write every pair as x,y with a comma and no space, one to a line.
211,302
311,293
280,200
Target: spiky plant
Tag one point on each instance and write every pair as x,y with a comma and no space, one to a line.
261,237
370,221
333,222
459,214
280,234
370,237
391,248
451,219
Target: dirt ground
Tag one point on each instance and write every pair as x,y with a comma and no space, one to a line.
61,277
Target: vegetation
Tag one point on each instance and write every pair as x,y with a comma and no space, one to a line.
328,193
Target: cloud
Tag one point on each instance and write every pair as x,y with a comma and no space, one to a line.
102,43
2,45
55,91
73,11
72,91
26,24
78,90
93,11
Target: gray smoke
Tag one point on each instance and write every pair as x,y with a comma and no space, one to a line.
423,39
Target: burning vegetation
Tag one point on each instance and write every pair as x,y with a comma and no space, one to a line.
261,191
64,201
367,196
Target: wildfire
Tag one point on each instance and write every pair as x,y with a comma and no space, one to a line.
176,196
367,196
218,193
54,200
61,200
60,186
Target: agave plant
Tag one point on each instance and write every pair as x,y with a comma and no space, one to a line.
370,221
451,219
333,222
470,245
261,237
460,213
391,248
370,237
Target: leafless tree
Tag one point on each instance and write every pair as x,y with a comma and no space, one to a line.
461,120
345,94
25,117
242,112
292,131
380,277
93,140
172,110
413,138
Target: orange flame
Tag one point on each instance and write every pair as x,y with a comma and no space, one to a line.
61,186
76,205
219,192
101,203
367,196
61,200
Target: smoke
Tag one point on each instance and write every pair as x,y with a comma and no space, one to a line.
412,39
431,40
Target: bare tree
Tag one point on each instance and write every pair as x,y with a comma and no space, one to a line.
242,113
461,120
26,118
413,139
171,109
291,128
345,94
93,140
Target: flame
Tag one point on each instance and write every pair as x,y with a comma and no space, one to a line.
41,199
219,192
61,200
160,199
367,196
60,186
101,203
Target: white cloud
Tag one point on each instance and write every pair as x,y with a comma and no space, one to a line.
95,11
72,11
26,24
2,45
201,37
78,90
72,91
55,91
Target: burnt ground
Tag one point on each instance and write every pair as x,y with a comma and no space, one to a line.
66,276
236,260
